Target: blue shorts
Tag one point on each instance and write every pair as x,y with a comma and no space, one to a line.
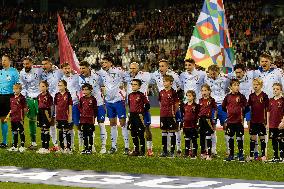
248,116
221,115
179,117
75,115
116,109
101,113
147,118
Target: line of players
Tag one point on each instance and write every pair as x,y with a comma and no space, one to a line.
113,79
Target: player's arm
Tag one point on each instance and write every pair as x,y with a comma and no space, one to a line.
70,114
95,107
7,117
268,116
47,115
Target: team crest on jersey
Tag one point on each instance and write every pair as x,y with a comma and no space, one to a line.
238,99
8,78
279,104
138,98
261,100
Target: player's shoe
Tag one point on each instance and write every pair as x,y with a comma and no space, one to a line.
13,149
274,160
163,154
126,151
55,148
40,151
83,151
93,149
229,158
134,153
171,155
89,152
103,150
193,157
68,151
203,156
22,149
208,158
256,156
249,159
112,150
46,151
2,145
241,158
60,151
33,146
179,153
263,158
150,153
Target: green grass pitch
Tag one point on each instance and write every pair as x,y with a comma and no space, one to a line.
146,165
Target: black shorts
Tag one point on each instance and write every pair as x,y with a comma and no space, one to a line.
63,124
235,128
42,119
5,104
191,133
136,122
87,127
168,124
206,126
257,129
17,125
275,133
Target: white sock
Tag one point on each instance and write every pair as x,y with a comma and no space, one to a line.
53,135
149,145
227,143
169,142
103,134
72,133
125,136
214,142
113,135
80,138
178,140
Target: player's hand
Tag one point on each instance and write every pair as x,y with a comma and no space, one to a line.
69,119
6,119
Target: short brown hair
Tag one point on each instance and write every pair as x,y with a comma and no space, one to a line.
266,56
168,78
206,86
192,92
258,80
84,63
234,81
214,68
65,64
18,85
279,85
190,60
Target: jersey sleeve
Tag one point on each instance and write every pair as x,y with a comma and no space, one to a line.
181,81
55,99
23,83
152,78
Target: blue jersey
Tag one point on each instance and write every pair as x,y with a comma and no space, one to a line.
8,77
52,77
30,82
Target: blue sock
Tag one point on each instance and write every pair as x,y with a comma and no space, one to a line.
4,128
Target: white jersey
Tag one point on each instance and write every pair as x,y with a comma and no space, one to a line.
192,81
52,78
144,77
73,86
30,82
219,87
157,78
93,80
269,78
113,80
246,87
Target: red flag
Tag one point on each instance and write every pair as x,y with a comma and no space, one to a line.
66,52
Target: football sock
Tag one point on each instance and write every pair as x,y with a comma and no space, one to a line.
4,128
178,139
256,145
240,145
275,147
47,139
103,133
281,148
91,138
142,142
252,147
61,139
173,141
186,145
263,146
42,138
202,143
165,141
53,135
209,144
214,142
32,126
149,145
85,137
68,135
195,146
72,133
22,136
231,146
227,143
15,138
80,138
125,136
113,136
135,141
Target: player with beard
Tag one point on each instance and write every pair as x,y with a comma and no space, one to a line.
8,77
30,79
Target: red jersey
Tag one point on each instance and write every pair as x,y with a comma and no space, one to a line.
45,101
234,105
206,107
88,109
191,112
168,100
276,112
18,105
258,104
62,103
137,102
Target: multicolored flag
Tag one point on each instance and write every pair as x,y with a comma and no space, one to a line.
66,52
210,42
